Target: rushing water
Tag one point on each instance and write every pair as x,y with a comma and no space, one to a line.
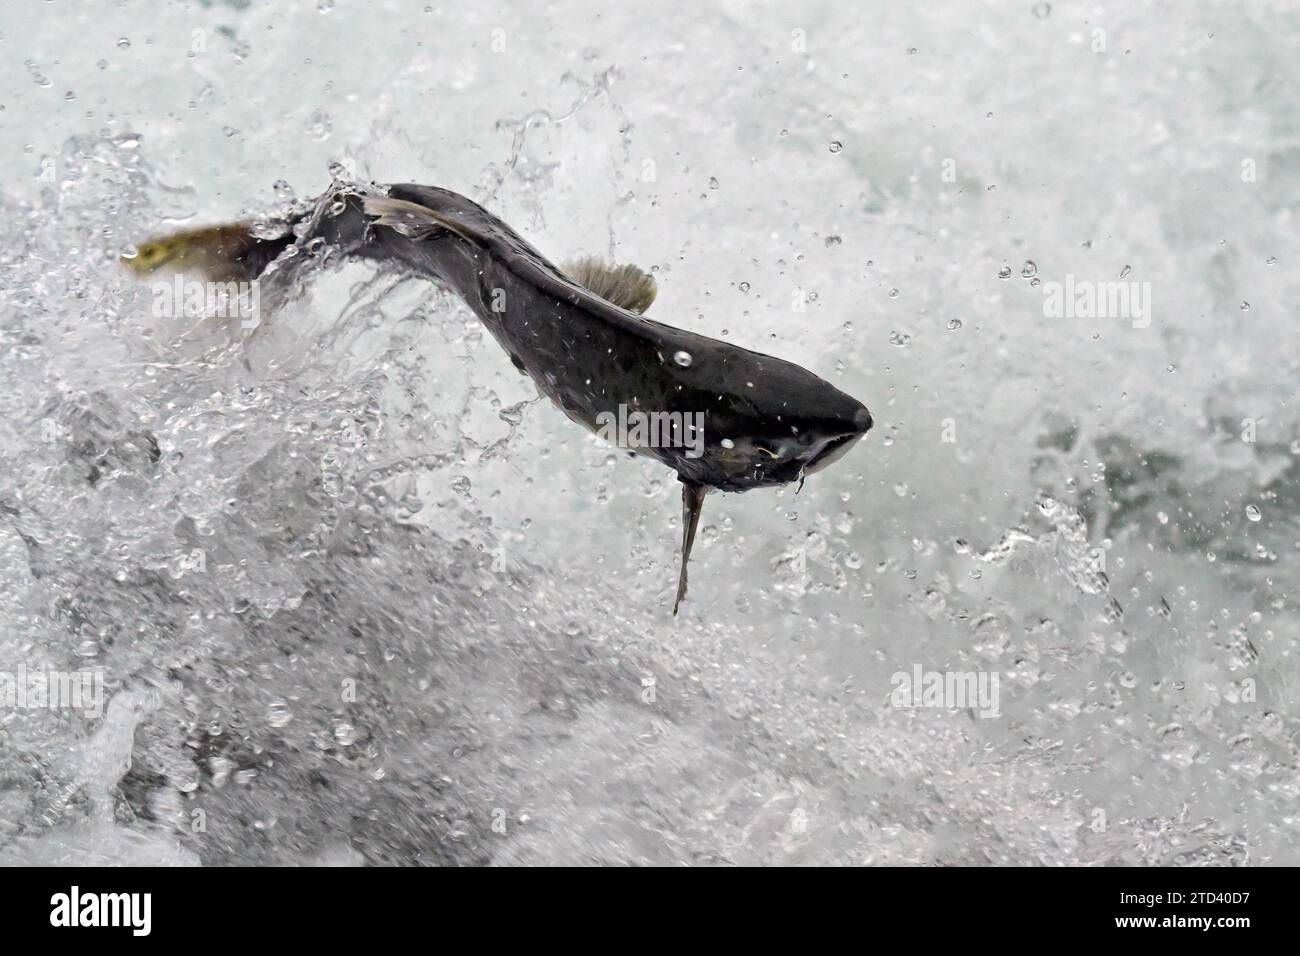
356,595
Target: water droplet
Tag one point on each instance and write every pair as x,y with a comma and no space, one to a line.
39,78
954,325
1253,513
833,241
1029,270
713,182
1162,517
728,443
512,414
123,42
1004,272
1245,306
836,146
1123,273
900,339
345,733
460,484
901,490
744,287
682,358
893,293
278,713
325,6
1042,10
318,125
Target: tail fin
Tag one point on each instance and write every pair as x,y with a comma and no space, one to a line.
224,253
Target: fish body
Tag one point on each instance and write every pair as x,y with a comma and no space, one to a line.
735,419
766,421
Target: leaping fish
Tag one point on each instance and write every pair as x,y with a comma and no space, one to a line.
579,333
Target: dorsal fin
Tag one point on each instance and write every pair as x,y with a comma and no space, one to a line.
626,286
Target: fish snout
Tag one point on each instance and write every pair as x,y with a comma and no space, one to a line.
862,420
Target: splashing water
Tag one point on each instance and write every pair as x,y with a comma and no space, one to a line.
356,596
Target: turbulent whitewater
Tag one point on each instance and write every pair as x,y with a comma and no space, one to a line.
354,595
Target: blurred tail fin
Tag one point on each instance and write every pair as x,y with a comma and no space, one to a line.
224,253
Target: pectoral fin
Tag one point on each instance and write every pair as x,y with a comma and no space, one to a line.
692,505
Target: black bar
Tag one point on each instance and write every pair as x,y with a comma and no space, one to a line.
335,905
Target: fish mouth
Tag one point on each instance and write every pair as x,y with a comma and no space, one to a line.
832,450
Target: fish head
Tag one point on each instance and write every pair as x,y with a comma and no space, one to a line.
780,441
